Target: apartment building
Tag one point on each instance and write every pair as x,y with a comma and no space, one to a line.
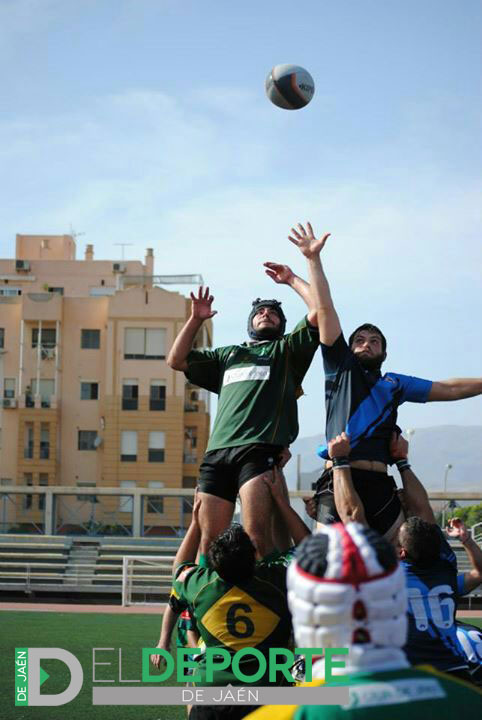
87,399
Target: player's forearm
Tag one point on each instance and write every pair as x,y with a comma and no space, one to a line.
455,389
169,620
189,546
301,287
474,554
182,345
296,527
328,322
415,496
348,503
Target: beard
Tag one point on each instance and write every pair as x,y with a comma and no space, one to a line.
267,333
371,363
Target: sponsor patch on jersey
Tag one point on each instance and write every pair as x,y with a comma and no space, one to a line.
251,372
394,692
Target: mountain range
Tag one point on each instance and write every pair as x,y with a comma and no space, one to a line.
431,450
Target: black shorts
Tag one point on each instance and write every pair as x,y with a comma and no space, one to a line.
224,471
377,491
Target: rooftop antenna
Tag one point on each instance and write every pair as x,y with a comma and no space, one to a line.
74,234
123,245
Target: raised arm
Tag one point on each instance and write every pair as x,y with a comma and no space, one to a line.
473,577
415,498
296,527
455,389
284,275
190,544
186,553
181,347
348,503
311,247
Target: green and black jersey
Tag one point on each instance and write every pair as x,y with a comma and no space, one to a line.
417,693
258,385
253,614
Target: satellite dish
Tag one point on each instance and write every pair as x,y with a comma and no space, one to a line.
98,441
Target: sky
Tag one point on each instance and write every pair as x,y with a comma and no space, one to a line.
146,122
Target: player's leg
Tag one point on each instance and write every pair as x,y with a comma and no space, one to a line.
257,510
279,532
217,491
215,515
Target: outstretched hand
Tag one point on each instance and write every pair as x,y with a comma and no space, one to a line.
281,274
457,530
309,245
201,305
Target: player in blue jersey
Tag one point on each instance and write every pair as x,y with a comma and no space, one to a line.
361,401
470,640
430,565
434,586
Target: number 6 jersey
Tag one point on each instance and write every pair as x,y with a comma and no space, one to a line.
251,614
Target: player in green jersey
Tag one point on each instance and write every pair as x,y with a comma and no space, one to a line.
236,601
258,384
347,590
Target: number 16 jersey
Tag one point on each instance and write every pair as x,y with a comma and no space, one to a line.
432,602
231,616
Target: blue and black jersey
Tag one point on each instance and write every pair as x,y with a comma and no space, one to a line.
432,603
364,403
470,640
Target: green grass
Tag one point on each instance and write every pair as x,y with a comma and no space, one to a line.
79,633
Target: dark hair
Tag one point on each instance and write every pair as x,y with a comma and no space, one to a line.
421,541
233,555
370,328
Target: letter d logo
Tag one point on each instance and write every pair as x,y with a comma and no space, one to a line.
34,672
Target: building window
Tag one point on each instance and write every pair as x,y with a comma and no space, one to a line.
48,337
155,503
156,446
90,339
190,445
43,479
44,441
46,390
89,390
144,344
28,441
10,291
86,498
2,338
27,500
86,440
9,388
187,504
56,290
157,395
126,503
189,482
128,446
130,395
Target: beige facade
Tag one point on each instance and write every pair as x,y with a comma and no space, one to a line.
86,396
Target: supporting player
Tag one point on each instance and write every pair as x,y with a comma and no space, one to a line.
430,565
236,602
347,590
361,401
434,586
258,384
